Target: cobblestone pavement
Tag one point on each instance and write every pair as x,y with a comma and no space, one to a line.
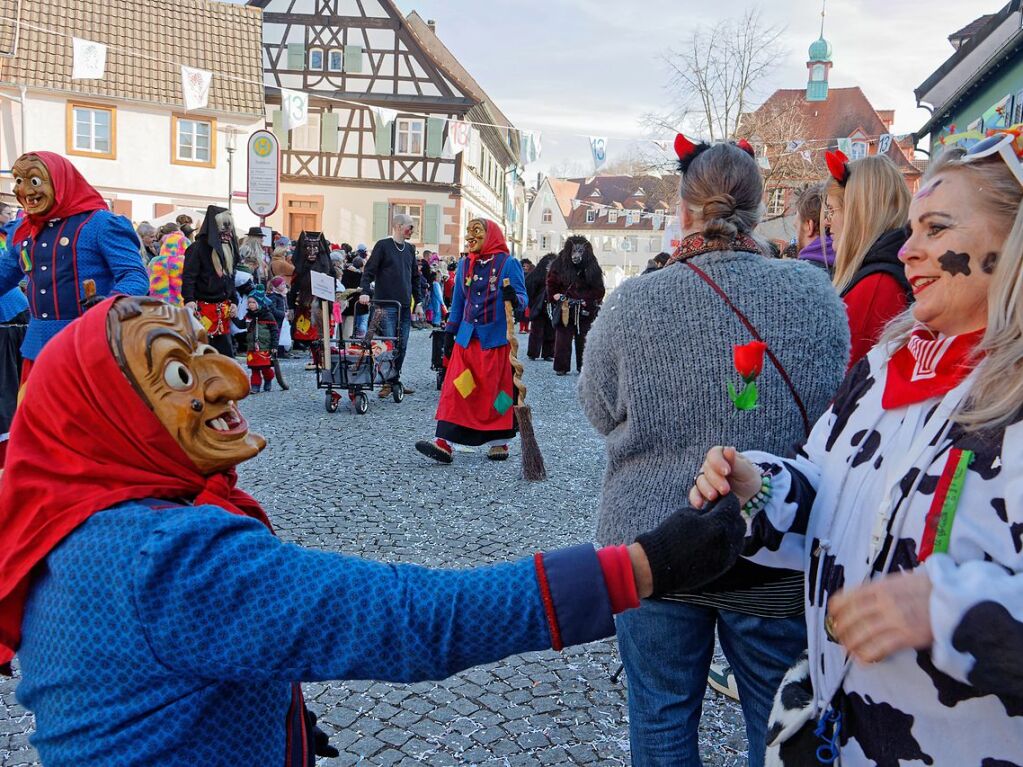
366,491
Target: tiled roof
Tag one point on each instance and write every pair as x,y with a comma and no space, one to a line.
147,42
615,192
971,29
564,192
845,111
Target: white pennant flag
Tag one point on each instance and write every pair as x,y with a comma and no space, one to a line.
90,59
658,219
459,134
885,144
195,87
384,116
575,204
664,146
598,146
295,107
845,146
529,142
793,146
807,155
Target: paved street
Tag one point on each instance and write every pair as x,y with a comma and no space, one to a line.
354,484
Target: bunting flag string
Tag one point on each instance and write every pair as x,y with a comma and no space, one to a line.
90,63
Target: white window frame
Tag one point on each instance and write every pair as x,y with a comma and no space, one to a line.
776,201
180,124
634,216
309,60
860,149
612,217
591,216
340,61
547,217
414,210
80,111
407,130
545,242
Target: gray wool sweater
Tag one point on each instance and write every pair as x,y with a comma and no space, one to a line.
658,360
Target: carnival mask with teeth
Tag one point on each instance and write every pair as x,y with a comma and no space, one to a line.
33,187
191,389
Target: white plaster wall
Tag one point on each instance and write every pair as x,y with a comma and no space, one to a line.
142,171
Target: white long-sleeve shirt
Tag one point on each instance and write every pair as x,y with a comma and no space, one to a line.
853,503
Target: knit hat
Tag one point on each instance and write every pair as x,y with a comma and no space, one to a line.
258,294
361,248
279,285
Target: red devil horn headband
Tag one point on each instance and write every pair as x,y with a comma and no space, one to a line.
838,166
684,147
747,147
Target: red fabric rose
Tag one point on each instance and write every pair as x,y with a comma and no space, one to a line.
749,359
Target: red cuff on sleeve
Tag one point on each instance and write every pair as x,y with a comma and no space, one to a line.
616,565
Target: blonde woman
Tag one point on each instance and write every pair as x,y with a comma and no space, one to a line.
866,208
904,508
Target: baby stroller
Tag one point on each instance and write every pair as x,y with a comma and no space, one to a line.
358,364
437,360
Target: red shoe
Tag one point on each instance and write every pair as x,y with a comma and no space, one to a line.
437,449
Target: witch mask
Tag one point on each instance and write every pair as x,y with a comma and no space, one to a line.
192,389
33,186
476,235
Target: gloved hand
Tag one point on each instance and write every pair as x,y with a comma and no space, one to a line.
508,294
449,344
692,547
88,303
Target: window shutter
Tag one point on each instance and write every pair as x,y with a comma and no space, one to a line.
383,136
431,225
278,129
353,58
379,220
328,132
296,56
434,138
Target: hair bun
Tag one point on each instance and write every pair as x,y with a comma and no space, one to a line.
719,206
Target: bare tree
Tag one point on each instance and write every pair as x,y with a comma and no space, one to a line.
715,74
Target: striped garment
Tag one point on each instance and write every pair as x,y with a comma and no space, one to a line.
165,269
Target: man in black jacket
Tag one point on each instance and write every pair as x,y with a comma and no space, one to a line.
393,267
207,279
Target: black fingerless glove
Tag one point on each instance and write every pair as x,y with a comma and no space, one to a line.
692,547
449,344
509,295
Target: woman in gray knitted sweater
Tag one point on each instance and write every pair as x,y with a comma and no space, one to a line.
654,383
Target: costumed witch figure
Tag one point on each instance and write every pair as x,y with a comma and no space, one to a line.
66,238
575,287
120,501
478,395
207,281
312,254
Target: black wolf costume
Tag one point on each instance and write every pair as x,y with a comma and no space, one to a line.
575,288
541,328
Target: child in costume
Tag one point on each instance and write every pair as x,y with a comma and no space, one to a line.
165,269
476,400
262,336
158,620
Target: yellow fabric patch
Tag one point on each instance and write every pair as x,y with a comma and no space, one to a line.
465,383
302,324
205,322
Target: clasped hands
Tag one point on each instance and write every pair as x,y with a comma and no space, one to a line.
872,621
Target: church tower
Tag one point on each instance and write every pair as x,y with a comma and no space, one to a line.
819,67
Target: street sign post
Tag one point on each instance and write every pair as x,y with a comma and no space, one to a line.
264,173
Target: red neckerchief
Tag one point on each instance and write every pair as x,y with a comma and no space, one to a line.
696,245
929,365
82,441
72,195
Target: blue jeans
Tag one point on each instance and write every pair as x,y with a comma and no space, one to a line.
361,323
388,325
667,648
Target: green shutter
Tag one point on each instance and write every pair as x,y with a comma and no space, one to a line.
353,58
296,56
431,225
278,129
434,138
328,132
383,136
380,226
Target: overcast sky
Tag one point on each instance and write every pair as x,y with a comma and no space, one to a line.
593,66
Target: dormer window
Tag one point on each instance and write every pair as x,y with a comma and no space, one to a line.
316,58
595,193
612,217
591,216
634,216
859,150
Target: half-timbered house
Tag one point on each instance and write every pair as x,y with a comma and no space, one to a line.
382,91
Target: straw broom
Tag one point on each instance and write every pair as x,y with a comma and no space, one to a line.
533,469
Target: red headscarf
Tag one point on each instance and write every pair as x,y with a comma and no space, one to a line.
493,244
72,194
82,441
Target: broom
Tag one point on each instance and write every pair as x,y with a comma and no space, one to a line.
533,469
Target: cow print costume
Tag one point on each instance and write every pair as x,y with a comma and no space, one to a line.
850,505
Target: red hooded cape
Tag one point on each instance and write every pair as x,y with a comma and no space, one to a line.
72,195
82,441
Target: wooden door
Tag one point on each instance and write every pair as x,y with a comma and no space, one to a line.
300,222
